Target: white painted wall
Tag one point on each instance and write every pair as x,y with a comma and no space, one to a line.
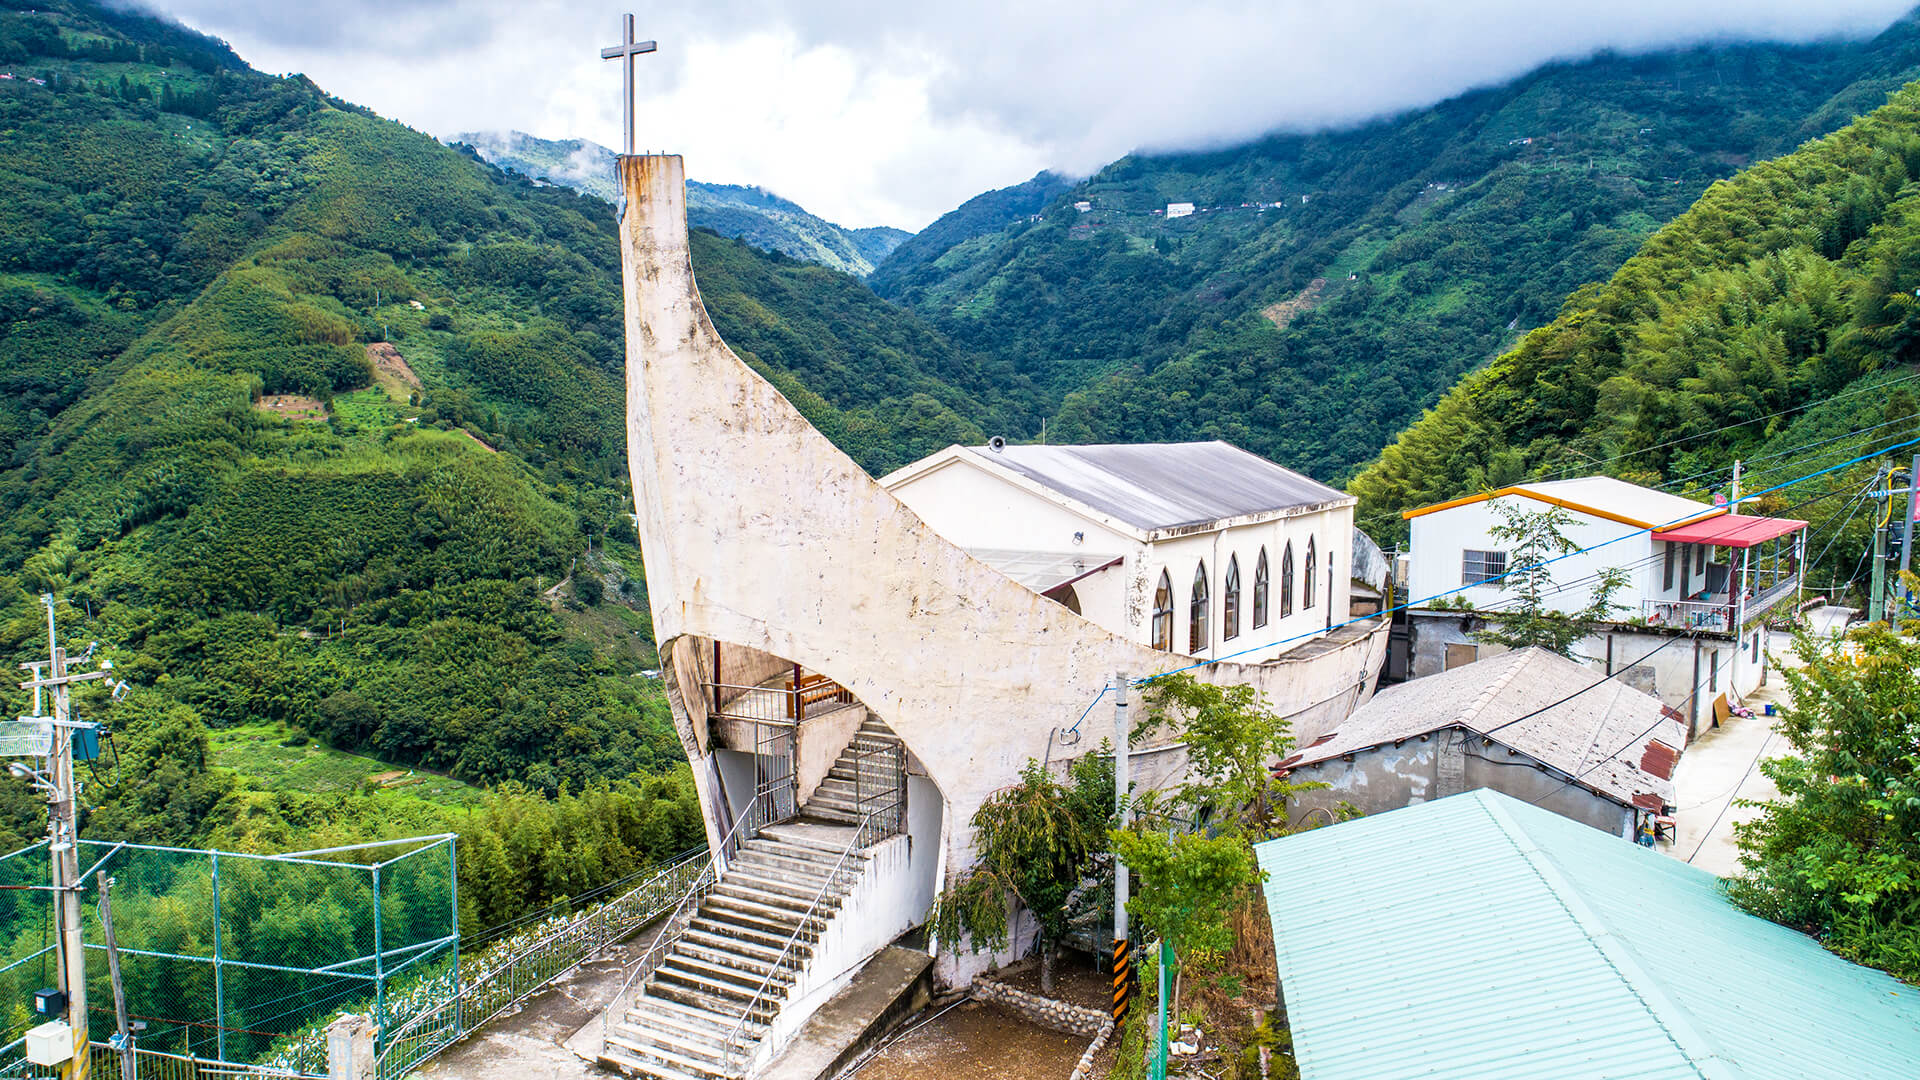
1439,539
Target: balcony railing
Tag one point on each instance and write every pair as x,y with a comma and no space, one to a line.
782,703
1688,614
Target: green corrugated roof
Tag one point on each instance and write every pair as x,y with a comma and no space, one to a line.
1478,937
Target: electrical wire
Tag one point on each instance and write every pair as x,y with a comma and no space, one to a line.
1732,796
1743,423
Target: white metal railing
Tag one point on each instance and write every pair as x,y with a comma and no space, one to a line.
736,1049
1688,614
683,912
1765,601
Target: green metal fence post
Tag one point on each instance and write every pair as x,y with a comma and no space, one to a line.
1165,961
219,983
379,972
453,904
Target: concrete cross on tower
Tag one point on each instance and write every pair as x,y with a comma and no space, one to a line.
627,51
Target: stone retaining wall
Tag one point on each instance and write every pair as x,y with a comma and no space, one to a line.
1056,1015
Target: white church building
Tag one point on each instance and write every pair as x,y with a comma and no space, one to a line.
1195,548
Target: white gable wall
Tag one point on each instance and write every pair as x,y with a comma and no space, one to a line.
1440,539
975,508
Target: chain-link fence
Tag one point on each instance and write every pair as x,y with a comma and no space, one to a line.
222,955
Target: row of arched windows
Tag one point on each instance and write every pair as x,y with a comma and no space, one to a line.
1199,599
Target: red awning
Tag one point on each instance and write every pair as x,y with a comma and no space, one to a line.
1730,530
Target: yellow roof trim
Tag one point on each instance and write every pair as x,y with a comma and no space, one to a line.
1556,501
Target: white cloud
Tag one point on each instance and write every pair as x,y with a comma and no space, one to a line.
883,113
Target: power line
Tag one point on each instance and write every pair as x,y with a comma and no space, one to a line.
1732,796
1743,423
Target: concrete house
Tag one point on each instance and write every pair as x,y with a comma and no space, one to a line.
1476,937
1529,723
1701,582
1202,549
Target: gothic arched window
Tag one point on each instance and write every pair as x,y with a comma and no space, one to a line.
1197,612
1306,587
1260,590
1286,581
1230,601
1163,614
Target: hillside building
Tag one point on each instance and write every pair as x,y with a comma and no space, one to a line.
1201,549
1702,582
1179,210
1528,723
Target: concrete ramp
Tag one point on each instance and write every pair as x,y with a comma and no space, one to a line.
894,985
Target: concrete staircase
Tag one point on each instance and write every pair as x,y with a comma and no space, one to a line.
837,798
676,1026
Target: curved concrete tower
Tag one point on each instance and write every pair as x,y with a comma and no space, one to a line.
778,571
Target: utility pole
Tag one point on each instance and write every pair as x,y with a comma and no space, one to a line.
123,1040
1733,499
1122,749
62,826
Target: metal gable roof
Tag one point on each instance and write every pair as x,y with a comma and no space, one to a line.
1577,716
1164,485
1477,937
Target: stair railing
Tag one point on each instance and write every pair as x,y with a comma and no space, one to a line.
736,1045
745,827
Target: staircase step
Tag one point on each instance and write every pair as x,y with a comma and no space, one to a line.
727,915
794,904
748,941
834,844
752,980
686,1017
773,881
731,1008
725,953
835,814
762,861
619,1060
699,1045
649,1056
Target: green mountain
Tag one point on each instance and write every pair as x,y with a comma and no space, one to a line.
1777,321
904,270
318,426
753,214
1329,287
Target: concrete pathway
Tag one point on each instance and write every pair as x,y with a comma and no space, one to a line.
1721,768
532,1044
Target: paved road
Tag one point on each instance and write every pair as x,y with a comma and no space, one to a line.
1721,768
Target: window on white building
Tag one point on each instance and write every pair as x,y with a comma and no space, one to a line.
1197,612
1260,591
1230,601
1306,587
1286,581
1163,614
1481,567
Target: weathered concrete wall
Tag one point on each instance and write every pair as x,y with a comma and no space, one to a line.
817,745
1418,770
759,532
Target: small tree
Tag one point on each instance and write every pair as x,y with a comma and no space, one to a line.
1189,885
1233,742
1036,841
1534,538
1838,853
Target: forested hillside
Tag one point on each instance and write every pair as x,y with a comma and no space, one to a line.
1329,287
316,426
753,214
1778,321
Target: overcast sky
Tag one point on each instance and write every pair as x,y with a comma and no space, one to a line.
872,113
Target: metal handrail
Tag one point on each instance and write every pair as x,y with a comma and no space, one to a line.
682,914
507,967
779,964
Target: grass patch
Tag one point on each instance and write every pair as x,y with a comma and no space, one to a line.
260,754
